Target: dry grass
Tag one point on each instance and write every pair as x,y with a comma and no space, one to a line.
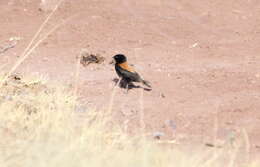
40,126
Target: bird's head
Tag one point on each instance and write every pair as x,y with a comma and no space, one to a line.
120,58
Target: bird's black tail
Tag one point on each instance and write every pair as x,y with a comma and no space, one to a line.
147,83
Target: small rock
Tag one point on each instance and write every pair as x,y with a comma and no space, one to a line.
209,145
162,95
15,77
194,45
158,135
171,124
15,38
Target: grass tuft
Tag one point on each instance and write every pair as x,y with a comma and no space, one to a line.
40,126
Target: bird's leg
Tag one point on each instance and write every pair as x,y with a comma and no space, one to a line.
127,87
121,83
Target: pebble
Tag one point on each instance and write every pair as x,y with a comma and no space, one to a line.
162,95
157,135
171,124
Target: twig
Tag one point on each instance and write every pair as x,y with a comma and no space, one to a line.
9,46
32,49
27,51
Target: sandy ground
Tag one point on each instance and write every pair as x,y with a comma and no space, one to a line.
201,57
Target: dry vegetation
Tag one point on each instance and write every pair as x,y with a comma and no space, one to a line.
41,125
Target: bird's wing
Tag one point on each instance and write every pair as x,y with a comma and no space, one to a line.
133,76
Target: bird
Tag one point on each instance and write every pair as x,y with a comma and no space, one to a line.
126,72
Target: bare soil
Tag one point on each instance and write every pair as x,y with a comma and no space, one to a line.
201,57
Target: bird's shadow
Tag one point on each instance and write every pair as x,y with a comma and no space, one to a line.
128,85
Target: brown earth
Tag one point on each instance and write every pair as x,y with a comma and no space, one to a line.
201,56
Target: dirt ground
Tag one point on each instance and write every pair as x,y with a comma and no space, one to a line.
201,57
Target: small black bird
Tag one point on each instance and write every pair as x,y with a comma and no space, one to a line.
127,73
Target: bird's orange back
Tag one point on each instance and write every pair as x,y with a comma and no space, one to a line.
125,66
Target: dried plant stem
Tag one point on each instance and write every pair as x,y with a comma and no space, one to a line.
110,105
215,132
77,76
142,129
19,62
141,121
27,50
247,144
